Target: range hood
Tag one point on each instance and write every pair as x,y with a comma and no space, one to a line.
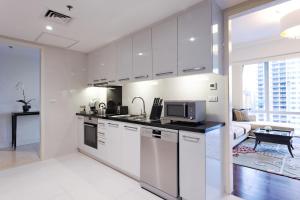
104,85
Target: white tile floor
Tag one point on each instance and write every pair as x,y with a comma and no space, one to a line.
22,155
72,177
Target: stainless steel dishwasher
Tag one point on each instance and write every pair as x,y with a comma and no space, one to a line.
159,161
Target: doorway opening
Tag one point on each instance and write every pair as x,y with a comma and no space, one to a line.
20,86
265,101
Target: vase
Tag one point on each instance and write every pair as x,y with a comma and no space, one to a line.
26,108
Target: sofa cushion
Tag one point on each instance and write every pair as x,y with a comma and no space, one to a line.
240,128
274,125
240,115
237,132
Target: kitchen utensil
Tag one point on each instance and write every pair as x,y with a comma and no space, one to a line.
156,109
160,102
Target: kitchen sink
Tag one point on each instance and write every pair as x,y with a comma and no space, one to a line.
130,117
124,116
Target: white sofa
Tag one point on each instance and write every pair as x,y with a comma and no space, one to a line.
240,130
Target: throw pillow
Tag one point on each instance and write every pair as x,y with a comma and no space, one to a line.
241,115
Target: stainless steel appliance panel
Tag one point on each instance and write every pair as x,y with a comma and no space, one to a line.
159,161
186,111
90,132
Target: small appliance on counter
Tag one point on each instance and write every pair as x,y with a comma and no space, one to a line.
83,109
102,109
156,109
122,110
93,106
185,111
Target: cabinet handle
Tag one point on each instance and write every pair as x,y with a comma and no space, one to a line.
131,128
163,74
112,81
89,125
194,69
113,125
190,139
100,133
103,79
101,142
139,77
124,79
97,80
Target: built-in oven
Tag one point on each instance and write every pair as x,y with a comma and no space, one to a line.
186,111
90,132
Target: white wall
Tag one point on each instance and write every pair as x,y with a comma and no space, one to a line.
64,78
264,49
180,88
19,64
256,52
237,82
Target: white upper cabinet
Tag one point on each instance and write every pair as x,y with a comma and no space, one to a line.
142,55
109,63
164,44
124,60
94,67
190,43
195,38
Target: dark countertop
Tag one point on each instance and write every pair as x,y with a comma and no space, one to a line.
203,127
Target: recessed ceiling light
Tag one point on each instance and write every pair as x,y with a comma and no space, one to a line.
192,39
140,54
290,26
49,28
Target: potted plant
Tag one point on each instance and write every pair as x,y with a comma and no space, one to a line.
26,103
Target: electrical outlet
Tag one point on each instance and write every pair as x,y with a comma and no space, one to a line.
213,86
213,99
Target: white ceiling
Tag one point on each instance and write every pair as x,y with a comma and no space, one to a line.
95,23
261,25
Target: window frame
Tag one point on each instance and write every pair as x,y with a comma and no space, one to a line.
266,62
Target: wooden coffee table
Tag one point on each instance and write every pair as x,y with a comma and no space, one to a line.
275,136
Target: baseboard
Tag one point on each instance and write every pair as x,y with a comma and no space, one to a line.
107,164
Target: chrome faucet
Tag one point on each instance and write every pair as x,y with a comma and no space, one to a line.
143,113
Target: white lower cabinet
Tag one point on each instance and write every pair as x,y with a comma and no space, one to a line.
118,145
192,165
130,154
200,156
200,162
102,140
113,143
80,131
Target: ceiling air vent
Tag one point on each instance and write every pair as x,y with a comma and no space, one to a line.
57,17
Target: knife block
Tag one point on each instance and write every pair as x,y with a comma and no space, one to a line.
156,112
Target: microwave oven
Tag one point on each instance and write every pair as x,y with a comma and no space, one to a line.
185,111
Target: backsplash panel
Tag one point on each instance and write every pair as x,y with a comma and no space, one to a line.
194,87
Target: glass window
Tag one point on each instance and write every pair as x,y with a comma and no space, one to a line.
284,76
272,90
254,87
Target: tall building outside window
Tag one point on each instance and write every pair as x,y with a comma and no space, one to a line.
271,90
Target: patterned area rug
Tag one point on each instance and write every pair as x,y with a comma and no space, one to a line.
269,157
